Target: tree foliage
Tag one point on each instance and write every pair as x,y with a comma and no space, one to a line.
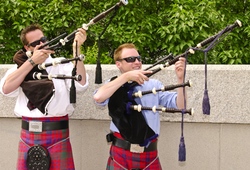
156,27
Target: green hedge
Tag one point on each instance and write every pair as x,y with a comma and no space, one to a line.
156,27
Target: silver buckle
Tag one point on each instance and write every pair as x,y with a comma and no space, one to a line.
136,148
35,126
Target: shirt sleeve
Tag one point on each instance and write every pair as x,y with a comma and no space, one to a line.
167,98
80,87
104,103
13,93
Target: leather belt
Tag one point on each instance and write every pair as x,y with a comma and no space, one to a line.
136,148
36,126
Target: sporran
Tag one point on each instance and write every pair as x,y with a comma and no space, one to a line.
38,158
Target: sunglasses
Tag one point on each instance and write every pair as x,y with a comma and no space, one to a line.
37,42
131,59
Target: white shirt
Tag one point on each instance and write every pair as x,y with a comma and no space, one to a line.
59,105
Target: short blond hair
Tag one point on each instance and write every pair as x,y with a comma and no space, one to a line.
118,51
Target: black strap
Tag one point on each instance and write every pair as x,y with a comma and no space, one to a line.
47,126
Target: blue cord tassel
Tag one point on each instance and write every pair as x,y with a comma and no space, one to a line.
206,103
182,150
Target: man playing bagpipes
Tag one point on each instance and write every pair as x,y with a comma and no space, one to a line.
134,132
43,104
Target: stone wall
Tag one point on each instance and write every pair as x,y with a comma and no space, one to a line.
228,89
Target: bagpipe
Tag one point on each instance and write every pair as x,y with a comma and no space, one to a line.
126,113
62,39
37,77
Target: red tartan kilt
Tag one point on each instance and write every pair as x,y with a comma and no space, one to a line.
131,160
56,142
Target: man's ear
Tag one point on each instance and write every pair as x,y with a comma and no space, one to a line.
118,64
26,47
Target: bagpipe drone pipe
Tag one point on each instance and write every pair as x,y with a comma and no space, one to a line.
126,113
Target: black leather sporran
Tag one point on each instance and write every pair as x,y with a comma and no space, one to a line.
38,158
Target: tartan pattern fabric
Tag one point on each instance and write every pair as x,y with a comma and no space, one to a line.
57,143
120,159
130,160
